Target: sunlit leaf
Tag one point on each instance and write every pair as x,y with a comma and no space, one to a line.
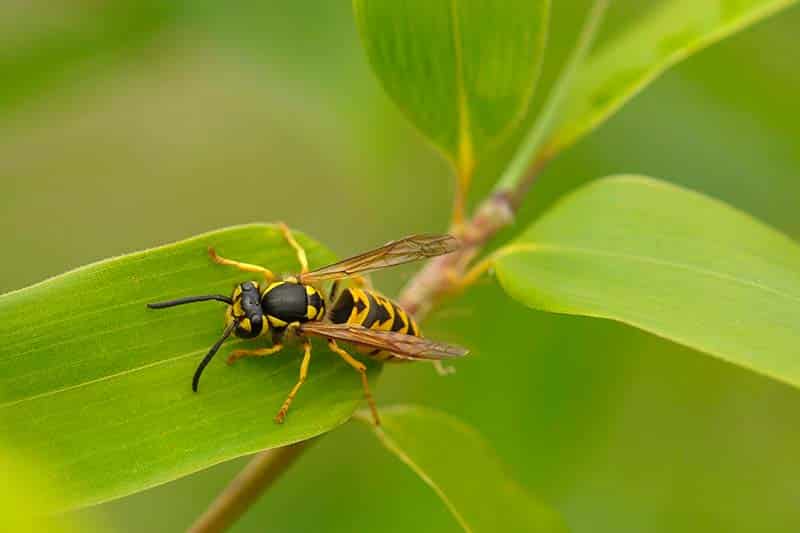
672,31
670,261
461,468
463,71
98,386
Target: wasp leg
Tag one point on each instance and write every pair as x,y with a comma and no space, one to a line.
301,253
261,352
303,373
247,267
361,369
442,369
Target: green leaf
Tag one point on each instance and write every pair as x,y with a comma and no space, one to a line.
98,386
463,71
461,468
669,261
25,499
673,31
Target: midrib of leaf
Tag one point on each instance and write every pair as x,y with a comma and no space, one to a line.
392,446
465,158
517,248
108,377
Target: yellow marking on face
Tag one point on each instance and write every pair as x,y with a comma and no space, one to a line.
246,325
311,312
310,290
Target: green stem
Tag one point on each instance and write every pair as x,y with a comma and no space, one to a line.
530,157
244,490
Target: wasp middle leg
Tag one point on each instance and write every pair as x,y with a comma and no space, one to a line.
299,250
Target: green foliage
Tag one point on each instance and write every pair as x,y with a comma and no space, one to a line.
461,468
669,261
463,71
98,386
25,499
674,30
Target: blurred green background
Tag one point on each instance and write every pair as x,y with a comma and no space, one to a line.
124,125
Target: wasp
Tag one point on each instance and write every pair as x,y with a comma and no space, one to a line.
296,305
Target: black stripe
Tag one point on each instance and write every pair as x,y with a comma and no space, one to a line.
399,322
372,312
342,308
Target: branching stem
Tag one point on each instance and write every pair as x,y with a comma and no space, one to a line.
440,276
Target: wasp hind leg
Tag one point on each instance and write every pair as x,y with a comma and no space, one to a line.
361,369
303,373
247,267
301,253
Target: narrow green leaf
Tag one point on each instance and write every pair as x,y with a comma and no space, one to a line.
463,71
670,261
98,386
461,468
617,71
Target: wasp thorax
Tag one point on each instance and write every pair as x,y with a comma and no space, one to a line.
286,302
246,310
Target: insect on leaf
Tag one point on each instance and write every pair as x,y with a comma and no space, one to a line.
98,387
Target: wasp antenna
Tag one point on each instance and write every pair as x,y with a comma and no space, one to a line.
190,300
211,353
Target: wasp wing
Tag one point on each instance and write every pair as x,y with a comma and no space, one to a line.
390,254
399,344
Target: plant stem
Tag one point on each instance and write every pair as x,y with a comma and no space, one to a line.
247,486
443,275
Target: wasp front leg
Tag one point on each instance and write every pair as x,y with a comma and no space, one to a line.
302,379
247,267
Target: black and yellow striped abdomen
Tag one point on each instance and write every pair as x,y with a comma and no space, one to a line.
373,311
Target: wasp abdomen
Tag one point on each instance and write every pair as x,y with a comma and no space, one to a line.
373,311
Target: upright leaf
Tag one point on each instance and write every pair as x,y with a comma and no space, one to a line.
672,31
670,261
98,386
461,468
463,71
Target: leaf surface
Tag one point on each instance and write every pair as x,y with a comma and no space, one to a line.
461,468
669,261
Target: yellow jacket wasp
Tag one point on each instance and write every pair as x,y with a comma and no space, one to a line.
376,325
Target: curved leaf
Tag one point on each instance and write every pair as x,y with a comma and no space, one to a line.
461,468
98,386
670,261
617,71
463,71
